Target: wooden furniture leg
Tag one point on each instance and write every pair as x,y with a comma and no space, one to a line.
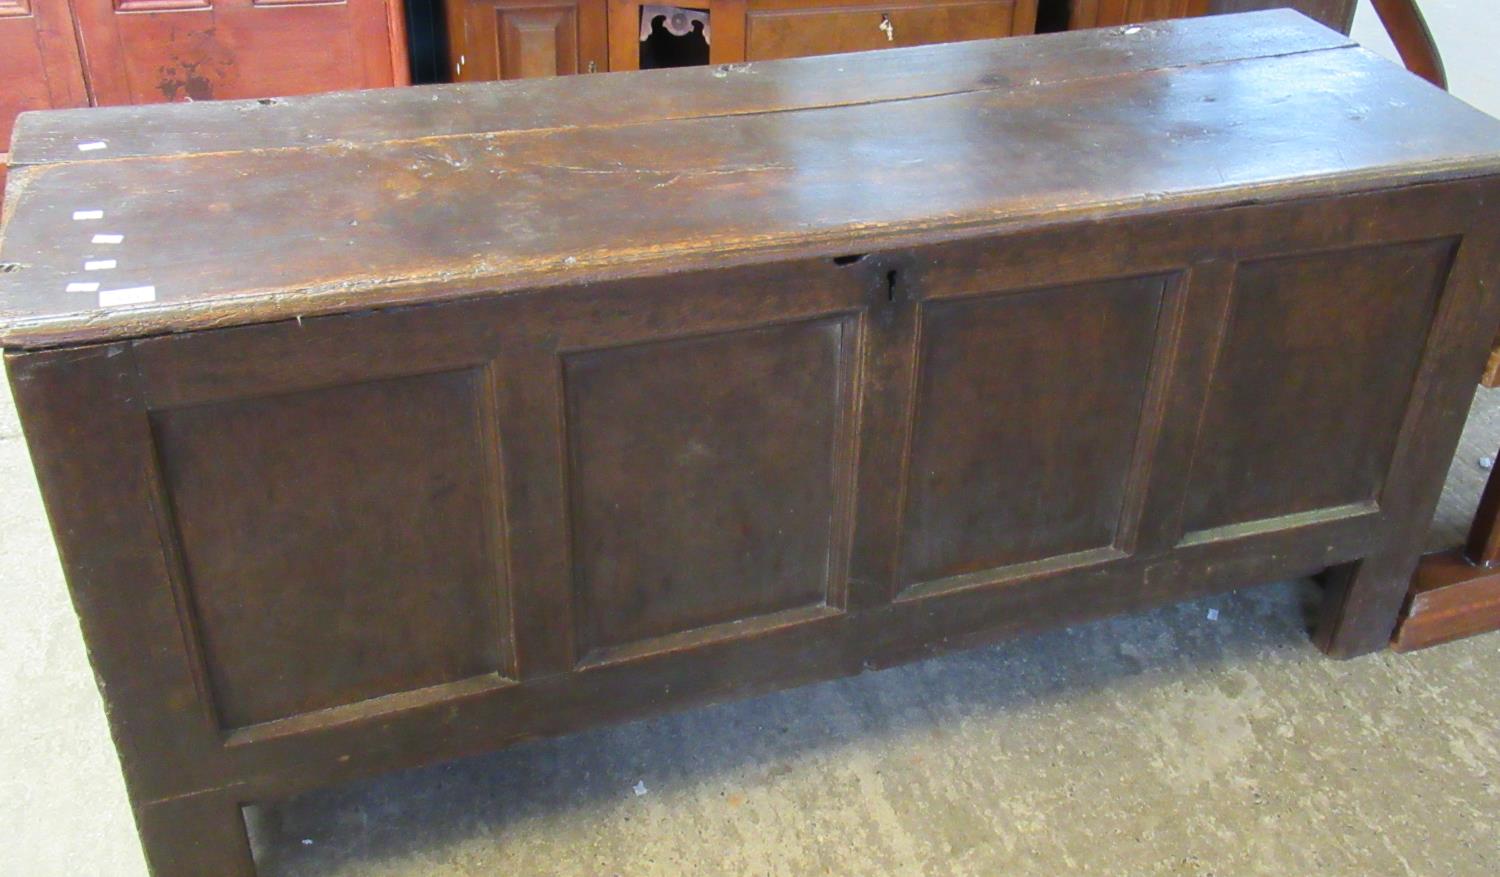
195,836
1456,593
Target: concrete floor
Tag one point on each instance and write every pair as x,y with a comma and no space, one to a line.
1161,744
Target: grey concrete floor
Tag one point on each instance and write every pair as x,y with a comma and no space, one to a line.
1160,744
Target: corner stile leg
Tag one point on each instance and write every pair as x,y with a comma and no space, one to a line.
195,836
1362,603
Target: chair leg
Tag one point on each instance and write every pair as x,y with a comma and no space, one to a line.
1456,593
1413,39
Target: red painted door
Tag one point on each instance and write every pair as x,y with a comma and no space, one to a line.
144,51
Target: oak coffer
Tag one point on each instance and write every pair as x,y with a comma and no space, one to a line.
383,427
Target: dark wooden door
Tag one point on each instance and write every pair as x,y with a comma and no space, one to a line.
39,66
523,39
145,51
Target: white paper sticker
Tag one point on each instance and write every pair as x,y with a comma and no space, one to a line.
98,264
80,215
131,296
81,286
109,238
92,145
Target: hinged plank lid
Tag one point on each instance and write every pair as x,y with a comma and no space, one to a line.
240,212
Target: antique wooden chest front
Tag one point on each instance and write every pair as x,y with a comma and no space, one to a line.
385,427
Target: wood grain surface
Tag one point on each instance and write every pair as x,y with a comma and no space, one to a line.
265,230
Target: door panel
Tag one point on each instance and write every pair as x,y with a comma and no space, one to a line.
522,39
147,51
538,42
794,32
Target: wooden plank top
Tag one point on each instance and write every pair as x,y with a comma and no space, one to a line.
242,212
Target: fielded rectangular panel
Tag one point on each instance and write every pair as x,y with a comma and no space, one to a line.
706,479
305,597
1017,457
1291,343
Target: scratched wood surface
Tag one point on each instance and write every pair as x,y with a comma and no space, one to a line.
248,212
478,108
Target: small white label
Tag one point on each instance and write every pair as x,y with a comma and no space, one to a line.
81,215
109,238
1213,615
133,295
92,145
81,286
98,264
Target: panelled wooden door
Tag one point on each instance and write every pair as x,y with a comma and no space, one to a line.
522,39
146,51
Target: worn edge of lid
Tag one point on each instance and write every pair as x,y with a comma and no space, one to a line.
254,307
